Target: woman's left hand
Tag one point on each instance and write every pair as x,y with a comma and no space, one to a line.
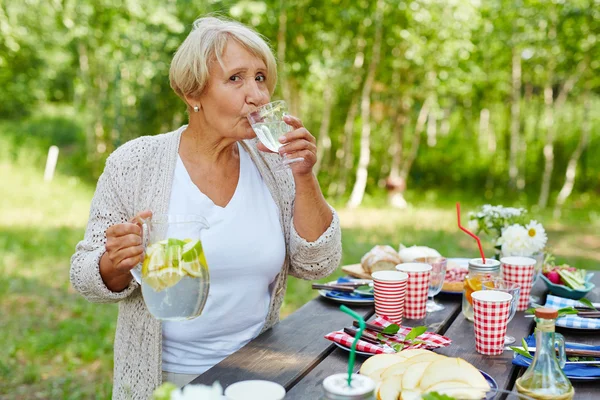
297,143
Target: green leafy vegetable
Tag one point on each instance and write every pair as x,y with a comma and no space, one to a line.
391,329
437,396
588,303
415,332
521,352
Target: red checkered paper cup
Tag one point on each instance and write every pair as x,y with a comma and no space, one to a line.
419,275
520,270
490,314
389,288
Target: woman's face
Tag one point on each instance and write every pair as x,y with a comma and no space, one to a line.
233,91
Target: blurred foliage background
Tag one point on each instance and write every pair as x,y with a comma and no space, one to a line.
498,97
415,104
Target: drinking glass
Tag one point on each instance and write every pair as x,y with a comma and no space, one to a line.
511,288
539,258
174,274
438,274
267,122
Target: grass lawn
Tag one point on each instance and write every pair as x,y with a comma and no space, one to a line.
57,345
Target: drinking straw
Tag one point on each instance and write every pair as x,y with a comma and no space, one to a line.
362,325
469,233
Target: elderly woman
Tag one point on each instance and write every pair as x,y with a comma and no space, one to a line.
267,224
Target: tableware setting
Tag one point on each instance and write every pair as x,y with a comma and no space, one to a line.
375,340
575,321
578,355
347,290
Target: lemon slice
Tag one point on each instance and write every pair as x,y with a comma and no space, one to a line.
154,259
193,259
163,278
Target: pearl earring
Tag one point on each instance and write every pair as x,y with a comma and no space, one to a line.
196,109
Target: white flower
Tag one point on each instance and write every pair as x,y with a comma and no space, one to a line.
515,241
537,235
472,225
194,392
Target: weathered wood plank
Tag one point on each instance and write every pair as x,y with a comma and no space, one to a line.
286,352
310,387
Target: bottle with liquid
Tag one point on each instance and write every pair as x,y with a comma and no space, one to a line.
545,379
335,387
478,272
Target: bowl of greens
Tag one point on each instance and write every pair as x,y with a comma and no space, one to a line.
566,281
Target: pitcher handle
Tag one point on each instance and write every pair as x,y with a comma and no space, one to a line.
559,340
137,271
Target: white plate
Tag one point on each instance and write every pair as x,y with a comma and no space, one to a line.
463,263
323,293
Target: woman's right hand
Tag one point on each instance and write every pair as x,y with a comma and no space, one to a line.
124,250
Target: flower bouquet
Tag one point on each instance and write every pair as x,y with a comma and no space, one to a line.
513,234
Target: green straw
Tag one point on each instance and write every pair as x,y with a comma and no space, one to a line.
361,324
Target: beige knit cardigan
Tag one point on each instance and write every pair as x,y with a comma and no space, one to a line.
139,176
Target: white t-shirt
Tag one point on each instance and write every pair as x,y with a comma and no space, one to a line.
245,250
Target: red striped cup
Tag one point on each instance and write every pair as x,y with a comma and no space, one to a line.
389,288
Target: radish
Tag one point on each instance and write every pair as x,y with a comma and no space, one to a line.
553,277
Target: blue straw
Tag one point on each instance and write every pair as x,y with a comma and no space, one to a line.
361,324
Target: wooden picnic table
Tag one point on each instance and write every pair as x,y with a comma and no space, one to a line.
294,353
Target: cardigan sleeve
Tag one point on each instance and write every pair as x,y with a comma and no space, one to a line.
318,259
107,209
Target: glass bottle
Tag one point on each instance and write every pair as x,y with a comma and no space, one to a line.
545,379
335,387
478,272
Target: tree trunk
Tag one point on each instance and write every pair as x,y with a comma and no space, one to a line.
515,118
586,129
281,44
324,141
414,150
548,147
365,152
395,184
551,107
345,154
432,130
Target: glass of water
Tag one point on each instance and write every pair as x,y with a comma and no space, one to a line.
438,274
267,122
508,287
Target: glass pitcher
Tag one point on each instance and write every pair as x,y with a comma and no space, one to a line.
545,379
174,274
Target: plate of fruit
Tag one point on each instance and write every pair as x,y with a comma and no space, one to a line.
566,281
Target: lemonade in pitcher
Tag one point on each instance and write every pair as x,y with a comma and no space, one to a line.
174,274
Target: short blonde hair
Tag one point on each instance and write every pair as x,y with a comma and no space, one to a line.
206,42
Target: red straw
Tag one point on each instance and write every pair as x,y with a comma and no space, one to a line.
469,233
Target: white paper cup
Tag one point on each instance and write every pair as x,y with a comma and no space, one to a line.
255,390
